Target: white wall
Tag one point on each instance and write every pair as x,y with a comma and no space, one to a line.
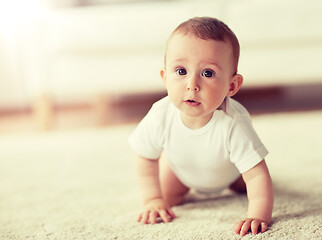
76,52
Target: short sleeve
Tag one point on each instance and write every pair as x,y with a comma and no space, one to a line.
146,140
245,147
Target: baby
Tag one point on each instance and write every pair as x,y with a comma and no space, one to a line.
206,139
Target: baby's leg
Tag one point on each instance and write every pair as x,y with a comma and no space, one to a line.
173,191
239,185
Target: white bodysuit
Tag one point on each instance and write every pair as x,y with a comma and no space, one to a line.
208,159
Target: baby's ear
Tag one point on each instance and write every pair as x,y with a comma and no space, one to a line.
162,73
235,84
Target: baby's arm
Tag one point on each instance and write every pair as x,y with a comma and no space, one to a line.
260,200
154,206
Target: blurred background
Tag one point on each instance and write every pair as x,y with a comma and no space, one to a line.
67,64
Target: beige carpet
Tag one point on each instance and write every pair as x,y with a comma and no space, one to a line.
81,185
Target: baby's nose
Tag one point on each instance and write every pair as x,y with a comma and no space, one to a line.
196,88
193,85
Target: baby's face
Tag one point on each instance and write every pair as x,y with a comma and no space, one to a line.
197,75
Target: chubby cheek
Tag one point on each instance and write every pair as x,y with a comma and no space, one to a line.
174,87
216,95
216,101
174,94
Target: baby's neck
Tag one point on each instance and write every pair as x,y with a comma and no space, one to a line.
195,122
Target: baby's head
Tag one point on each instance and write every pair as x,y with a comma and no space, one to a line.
209,28
201,67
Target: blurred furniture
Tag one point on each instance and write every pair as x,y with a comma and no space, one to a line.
120,48
91,53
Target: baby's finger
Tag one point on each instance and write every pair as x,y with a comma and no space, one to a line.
245,228
171,213
153,217
139,218
254,226
263,227
145,217
164,216
238,226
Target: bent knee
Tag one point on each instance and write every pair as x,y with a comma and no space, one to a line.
174,199
238,186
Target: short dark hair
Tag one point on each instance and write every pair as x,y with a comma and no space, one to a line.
211,28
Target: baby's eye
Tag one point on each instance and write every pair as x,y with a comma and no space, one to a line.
181,71
208,73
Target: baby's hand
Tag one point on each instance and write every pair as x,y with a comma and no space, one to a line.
250,224
156,208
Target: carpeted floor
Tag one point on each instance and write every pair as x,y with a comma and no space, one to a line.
81,185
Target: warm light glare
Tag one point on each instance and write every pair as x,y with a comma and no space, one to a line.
16,14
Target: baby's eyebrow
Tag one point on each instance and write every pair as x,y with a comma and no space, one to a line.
179,60
214,64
